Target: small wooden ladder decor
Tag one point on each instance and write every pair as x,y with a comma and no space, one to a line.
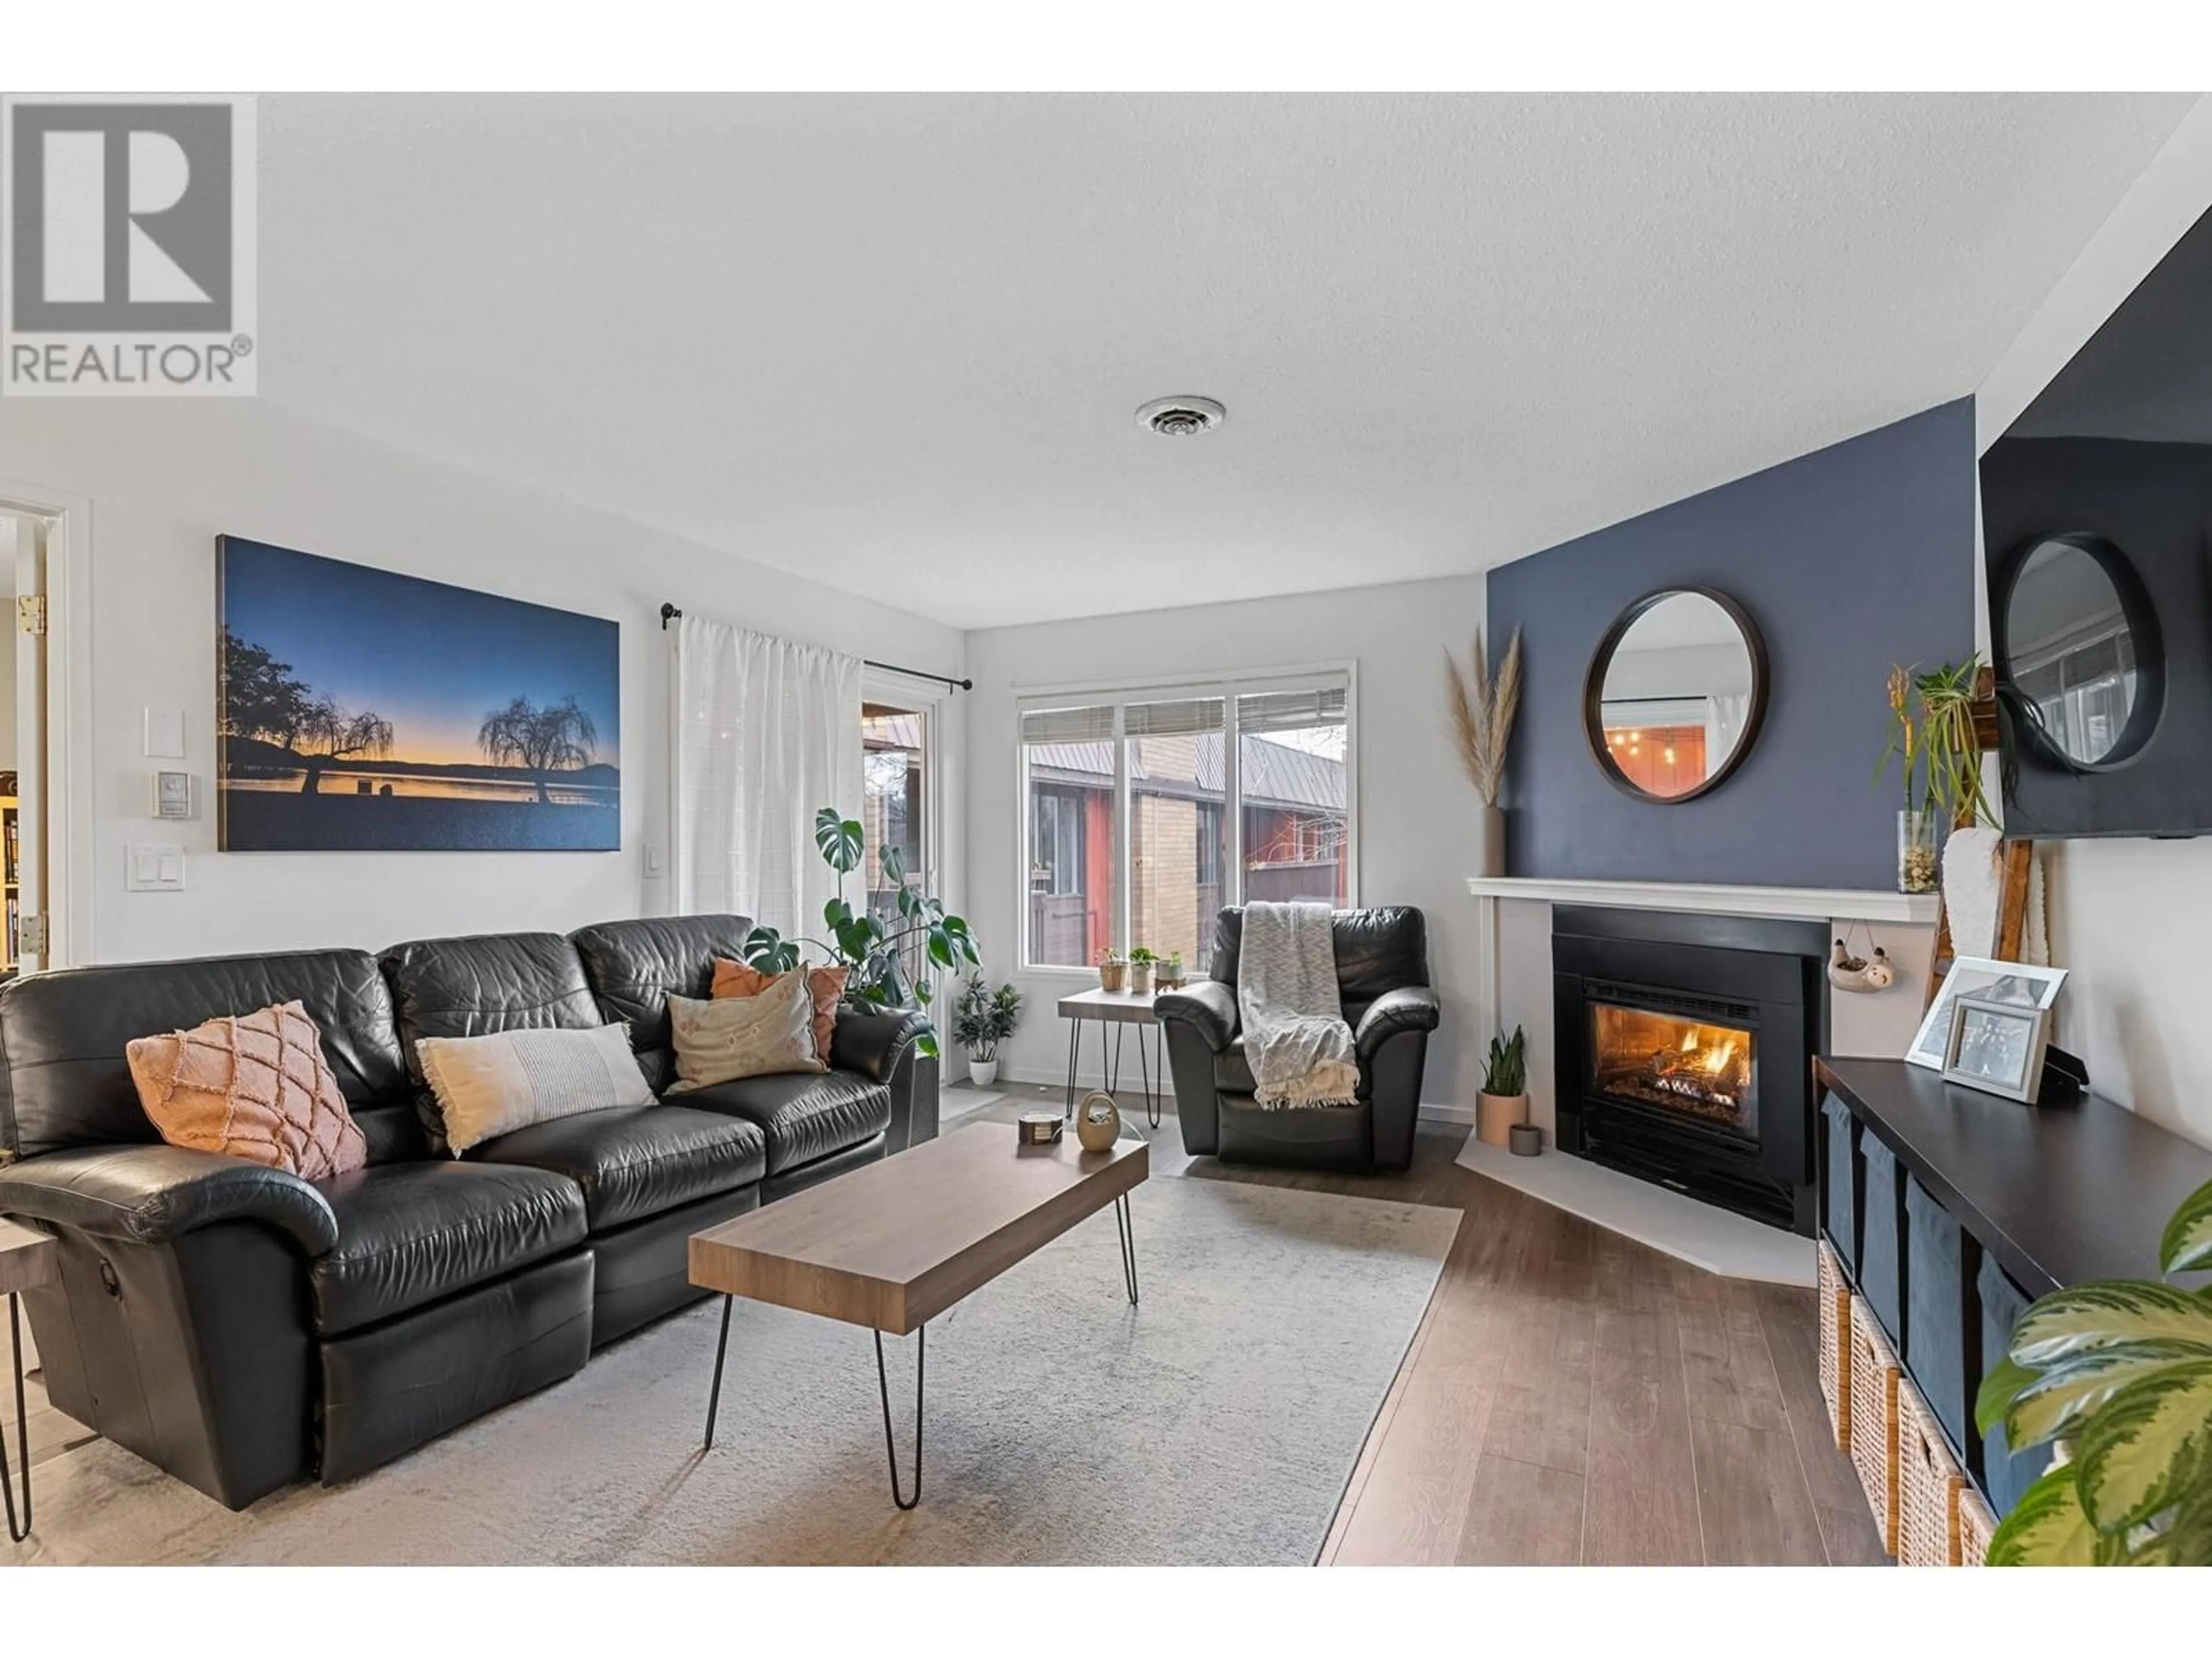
2018,864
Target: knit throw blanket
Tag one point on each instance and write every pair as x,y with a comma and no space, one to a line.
1295,1037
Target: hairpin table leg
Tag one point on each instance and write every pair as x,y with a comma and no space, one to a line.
715,1397
22,1432
890,1448
1126,1225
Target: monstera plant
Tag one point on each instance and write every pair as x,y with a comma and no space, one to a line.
875,951
2120,1371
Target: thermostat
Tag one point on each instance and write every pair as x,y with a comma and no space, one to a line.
173,794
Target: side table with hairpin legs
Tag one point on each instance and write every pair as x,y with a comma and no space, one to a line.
1119,1009
28,1259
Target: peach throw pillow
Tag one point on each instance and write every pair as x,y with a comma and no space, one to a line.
253,1085
736,979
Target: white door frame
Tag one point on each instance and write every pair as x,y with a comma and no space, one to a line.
66,799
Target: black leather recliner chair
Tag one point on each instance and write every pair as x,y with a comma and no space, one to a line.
1383,976
244,1330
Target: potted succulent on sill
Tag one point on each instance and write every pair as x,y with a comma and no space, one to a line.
1170,977
1505,1101
1113,970
1141,963
984,1019
876,953
2120,1372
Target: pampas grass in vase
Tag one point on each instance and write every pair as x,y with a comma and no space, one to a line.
1482,711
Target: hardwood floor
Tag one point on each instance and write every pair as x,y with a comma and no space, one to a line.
1571,1396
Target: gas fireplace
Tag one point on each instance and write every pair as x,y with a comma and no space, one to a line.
1700,1066
1684,1044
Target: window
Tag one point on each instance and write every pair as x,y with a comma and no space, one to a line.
895,803
1172,755
1139,828
1290,748
1068,757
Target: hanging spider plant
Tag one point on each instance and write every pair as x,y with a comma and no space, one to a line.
1931,732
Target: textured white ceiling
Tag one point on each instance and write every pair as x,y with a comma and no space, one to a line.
896,343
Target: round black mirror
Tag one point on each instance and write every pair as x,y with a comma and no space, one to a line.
2077,646
1675,693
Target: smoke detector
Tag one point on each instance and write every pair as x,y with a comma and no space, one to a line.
1181,417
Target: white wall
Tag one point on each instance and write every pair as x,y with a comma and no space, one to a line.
165,477
2125,914
1416,808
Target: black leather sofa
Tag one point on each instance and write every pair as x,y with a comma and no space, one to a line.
246,1329
1383,976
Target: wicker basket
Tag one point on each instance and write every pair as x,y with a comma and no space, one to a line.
1835,1313
1874,1382
1928,1487
1974,1523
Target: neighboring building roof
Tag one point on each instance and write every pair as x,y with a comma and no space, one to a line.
900,731
1275,775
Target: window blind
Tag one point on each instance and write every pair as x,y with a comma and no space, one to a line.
1285,711
1180,719
1094,725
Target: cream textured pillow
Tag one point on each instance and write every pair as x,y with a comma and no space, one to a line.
726,1038
253,1085
489,1085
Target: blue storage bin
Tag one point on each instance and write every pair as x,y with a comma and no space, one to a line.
1881,1242
2005,1475
1839,1201
1935,1312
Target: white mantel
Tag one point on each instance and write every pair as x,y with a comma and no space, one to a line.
1822,904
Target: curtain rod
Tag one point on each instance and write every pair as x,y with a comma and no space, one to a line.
669,613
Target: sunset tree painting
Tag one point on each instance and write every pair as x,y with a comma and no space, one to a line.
360,709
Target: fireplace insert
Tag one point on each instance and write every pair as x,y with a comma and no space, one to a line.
1684,1046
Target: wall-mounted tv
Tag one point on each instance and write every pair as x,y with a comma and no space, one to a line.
2097,530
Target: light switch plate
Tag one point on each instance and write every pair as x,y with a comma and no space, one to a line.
165,733
154,869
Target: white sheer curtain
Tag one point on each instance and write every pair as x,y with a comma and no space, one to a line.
767,733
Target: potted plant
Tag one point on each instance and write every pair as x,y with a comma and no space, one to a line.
1504,1100
984,1019
1482,709
1931,732
1141,964
875,954
1170,972
2121,1372
1113,970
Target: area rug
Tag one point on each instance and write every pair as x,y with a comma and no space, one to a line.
1218,1422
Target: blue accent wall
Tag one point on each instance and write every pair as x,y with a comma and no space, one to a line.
1850,559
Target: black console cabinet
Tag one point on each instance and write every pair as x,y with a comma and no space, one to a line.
1951,1210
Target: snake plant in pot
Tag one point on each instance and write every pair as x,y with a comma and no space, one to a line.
1504,1099
875,951
2118,1371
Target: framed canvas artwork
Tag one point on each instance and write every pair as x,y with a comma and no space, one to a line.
364,711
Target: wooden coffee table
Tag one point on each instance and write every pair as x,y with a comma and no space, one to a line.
892,1245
